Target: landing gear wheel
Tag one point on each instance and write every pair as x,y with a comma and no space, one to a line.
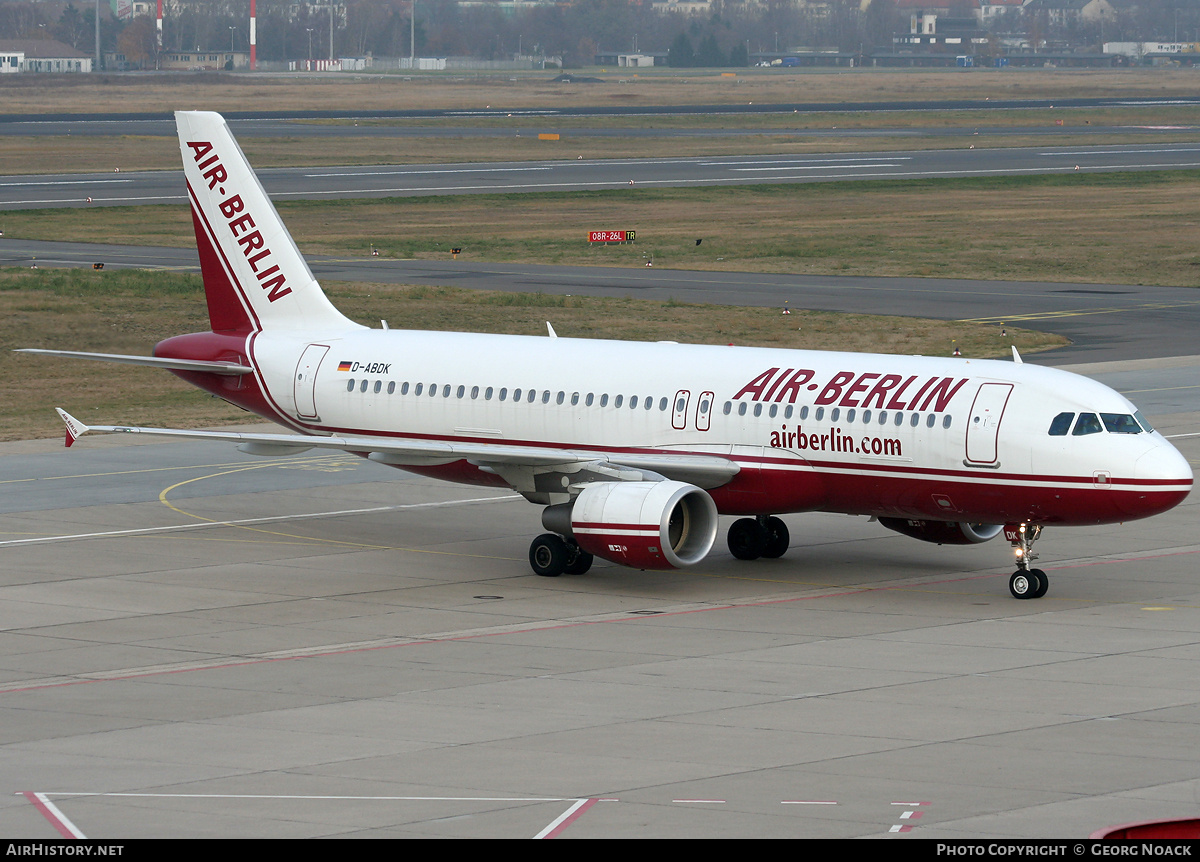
1028,584
747,539
1021,585
1043,583
580,560
778,539
549,555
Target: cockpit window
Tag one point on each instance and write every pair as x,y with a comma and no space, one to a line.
1061,424
1120,423
1087,424
1142,421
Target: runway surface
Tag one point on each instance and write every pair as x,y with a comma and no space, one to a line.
149,122
126,188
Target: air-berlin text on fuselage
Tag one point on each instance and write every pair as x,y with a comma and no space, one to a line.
851,389
836,440
241,223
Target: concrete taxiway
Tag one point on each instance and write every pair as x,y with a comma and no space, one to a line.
198,643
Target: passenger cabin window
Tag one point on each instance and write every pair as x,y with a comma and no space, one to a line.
1087,423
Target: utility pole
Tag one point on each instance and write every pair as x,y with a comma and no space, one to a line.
412,37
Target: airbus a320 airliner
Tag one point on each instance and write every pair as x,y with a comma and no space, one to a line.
634,449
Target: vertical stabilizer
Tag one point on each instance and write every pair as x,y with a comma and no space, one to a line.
254,276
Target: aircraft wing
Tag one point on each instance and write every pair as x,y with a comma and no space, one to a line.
706,471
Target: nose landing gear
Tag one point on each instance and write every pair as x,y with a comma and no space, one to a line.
1025,583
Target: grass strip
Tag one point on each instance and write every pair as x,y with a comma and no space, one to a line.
1123,228
128,311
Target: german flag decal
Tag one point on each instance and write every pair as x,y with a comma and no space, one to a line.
344,366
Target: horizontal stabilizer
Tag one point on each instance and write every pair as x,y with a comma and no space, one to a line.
231,368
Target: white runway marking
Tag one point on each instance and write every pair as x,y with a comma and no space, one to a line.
177,528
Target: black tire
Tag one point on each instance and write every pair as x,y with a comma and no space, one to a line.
1043,583
580,560
778,539
548,555
747,539
1024,584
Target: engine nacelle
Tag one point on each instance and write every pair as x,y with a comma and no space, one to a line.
645,525
944,532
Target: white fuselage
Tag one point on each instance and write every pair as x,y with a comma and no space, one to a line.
897,426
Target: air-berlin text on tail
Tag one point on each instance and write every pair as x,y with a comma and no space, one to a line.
241,223
851,389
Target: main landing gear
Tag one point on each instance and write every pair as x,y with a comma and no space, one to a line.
551,555
1026,583
762,536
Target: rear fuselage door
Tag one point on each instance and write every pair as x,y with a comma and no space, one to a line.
679,409
306,380
704,411
983,424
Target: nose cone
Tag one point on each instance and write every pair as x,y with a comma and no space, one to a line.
1164,478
